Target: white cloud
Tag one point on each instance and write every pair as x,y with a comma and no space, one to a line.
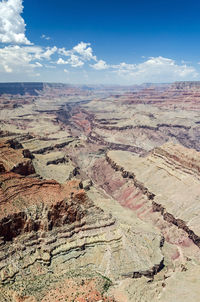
165,68
100,65
37,64
15,59
78,55
156,69
7,69
23,59
45,37
75,61
49,52
124,67
61,62
12,25
64,52
85,51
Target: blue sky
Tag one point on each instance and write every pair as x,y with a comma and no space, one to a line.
109,42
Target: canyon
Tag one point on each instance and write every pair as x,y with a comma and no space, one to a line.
99,192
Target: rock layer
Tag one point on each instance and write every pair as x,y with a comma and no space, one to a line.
169,177
46,224
134,235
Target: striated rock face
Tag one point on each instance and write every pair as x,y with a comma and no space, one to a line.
99,193
167,184
170,178
141,120
14,160
46,228
19,193
55,163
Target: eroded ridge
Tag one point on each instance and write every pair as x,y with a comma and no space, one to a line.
134,235
169,177
51,228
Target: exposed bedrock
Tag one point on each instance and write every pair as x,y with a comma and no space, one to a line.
136,229
142,120
167,177
70,223
50,228
39,217
12,159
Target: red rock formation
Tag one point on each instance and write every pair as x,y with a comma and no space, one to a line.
14,160
61,204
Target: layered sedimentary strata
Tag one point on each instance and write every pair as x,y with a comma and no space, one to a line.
164,189
145,118
170,178
134,235
56,164
15,160
46,228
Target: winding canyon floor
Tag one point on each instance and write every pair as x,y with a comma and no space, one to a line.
100,193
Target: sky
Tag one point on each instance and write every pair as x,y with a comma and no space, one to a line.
99,42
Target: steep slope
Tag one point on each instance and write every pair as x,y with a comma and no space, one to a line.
134,235
55,231
168,180
170,177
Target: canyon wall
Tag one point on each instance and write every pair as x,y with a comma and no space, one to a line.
99,193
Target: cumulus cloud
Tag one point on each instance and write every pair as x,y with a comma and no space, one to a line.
124,67
78,55
15,59
64,52
154,69
100,65
165,68
158,69
85,51
12,25
75,61
61,62
23,59
49,52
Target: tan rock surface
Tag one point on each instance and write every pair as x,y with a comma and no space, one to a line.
14,160
171,174
56,165
135,235
47,228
